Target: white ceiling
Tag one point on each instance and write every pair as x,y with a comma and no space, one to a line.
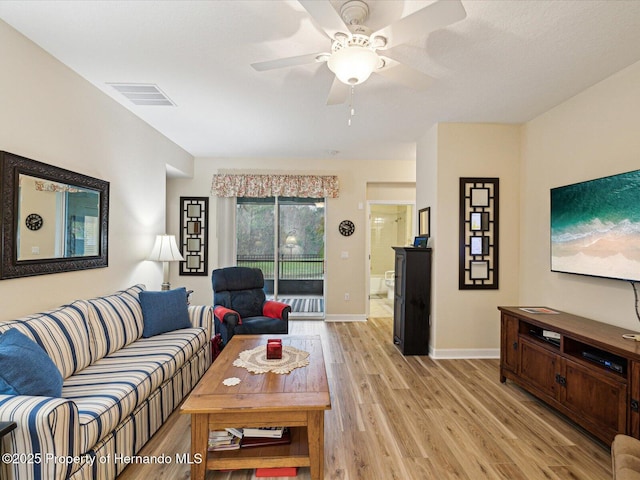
507,62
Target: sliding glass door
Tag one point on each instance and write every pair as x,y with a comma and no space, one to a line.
284,237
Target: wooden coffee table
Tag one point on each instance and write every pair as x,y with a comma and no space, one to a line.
296,400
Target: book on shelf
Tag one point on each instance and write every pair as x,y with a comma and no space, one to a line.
284,439
235,431
222,440
270,432
235,444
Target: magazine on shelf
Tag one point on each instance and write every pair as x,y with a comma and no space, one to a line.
248,442
269,432
222,440
234,444
235,431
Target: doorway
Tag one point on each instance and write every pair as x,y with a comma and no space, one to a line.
390,225
284,237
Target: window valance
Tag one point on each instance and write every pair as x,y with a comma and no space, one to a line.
262,186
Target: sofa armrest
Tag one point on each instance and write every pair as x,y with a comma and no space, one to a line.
625,457
202,316
47,431
273,309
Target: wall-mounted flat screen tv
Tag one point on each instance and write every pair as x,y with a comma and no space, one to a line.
595,227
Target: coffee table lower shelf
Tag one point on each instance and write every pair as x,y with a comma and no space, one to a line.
294,454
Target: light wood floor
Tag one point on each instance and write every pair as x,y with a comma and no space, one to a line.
413,418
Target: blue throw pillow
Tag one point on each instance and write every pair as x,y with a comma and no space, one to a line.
164,311
25,368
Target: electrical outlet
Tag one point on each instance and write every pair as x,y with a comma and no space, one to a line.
346,297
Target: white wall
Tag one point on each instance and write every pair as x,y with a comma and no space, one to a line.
343,275
594,134
52,115
465,322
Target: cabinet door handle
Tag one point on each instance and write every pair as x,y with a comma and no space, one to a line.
562,381
634,405
515,345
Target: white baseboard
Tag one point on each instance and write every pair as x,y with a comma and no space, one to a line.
345,318
455,353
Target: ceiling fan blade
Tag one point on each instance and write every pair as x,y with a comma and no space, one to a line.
287,62
338,93
401,73
325,16
432,17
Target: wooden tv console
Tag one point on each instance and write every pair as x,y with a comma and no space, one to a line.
604,399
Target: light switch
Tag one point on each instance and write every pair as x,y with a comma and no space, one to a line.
344,255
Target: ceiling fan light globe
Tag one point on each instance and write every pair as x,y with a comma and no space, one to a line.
353,65
379,41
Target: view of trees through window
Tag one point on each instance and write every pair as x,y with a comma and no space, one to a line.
298,248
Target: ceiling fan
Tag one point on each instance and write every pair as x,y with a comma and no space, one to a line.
355,49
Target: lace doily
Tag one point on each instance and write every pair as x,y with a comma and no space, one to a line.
255,360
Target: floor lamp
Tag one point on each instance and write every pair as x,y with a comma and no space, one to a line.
165,250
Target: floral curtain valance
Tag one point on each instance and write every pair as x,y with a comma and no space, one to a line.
262,186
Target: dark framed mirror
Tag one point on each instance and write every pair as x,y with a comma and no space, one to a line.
53,220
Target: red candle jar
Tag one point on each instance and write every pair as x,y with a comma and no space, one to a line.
274,349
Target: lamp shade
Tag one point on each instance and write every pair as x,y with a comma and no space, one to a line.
353,65
165,249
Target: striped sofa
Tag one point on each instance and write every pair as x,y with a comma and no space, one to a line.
118,388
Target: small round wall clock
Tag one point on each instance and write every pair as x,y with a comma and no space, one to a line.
33,221
346,228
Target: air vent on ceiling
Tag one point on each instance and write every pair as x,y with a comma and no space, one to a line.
143,94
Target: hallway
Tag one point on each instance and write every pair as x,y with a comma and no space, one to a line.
380,306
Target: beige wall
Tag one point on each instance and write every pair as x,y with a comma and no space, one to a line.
51,114
343,275
591,135
464,322
391,192
594,134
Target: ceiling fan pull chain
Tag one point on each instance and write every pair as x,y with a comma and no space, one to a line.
352,110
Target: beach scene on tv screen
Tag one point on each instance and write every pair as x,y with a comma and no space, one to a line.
595,227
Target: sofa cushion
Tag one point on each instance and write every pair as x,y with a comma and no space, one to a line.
164,311
115,321
62,333
114,386
26,367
